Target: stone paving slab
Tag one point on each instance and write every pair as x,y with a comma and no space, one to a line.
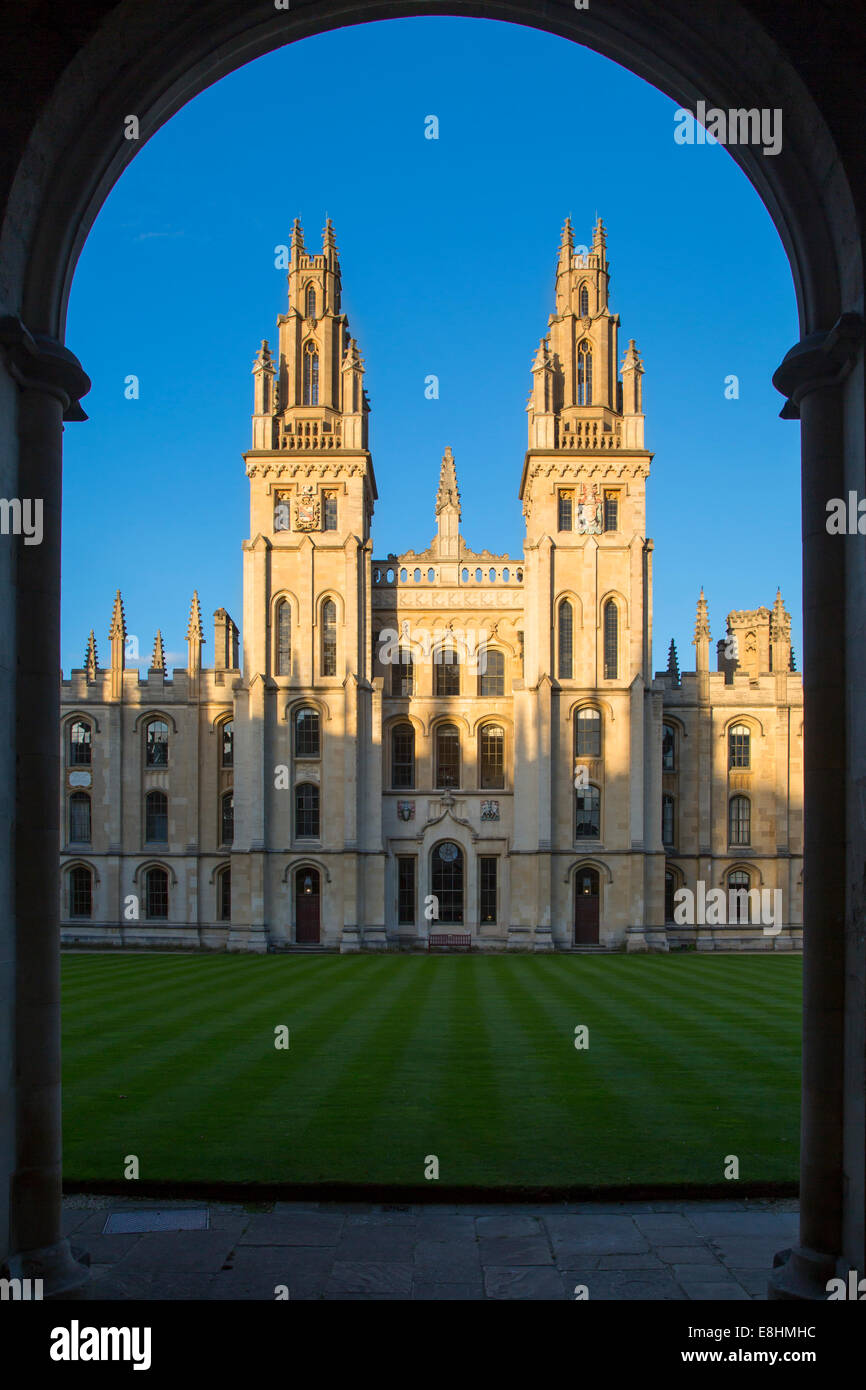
533,1251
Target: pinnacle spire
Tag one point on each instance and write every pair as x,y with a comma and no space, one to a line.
448,493
702,621
194,628
118,620
157,660
91,660
673,662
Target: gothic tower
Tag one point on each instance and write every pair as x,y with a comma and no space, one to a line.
304,706
589,574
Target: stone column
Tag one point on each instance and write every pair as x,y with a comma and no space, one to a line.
50,382
811,377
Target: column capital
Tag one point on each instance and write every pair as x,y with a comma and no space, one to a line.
819,359
43,364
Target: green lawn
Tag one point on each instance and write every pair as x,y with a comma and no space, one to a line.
470,1058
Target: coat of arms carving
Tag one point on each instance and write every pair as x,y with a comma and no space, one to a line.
589,520
308,509
490,810
406,810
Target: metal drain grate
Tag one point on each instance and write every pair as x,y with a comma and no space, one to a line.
156,1219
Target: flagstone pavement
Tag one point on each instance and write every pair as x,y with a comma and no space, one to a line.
699,1250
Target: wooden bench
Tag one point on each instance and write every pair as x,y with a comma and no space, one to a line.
449,939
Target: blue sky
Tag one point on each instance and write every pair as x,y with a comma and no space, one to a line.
448,251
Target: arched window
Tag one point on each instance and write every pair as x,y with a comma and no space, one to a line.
587,818
587,742
156,894
611,641
669,748
668,837
403,756
584,302
311,375
492,666
156,818
307,739
284,638
227,818
447,756
447,882
403,675
739,746
310,307
307,811
584,374
491,756
79,818
744,902
446,663
156,744
670,890
79,744
227,743
565,633
739,821
80,892
224,895
738,878
329,637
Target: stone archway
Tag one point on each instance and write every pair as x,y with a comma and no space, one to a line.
66,147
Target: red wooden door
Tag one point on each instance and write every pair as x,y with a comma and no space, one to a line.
586,908
307,907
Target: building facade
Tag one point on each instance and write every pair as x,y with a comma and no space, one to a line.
443,742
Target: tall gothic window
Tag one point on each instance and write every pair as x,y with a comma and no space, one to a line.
329,637
587,813
668,820
584,374
329,509
447,756
307,733
669,748
566,640
611,511
405,889
739,821
447,667
79,744
311,302
284,638
224,895
227,818
79,818
584,302
307,811
492,759
564,508
403,756
611,641
80,891
739,746
311,375
588,740
492,681
487,865
156,894
156,818
227,739
403,675
156,744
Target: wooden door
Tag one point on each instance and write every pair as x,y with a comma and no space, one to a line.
586,904
307,907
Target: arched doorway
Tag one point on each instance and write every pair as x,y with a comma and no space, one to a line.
63,155
587,900
308,909
447,882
